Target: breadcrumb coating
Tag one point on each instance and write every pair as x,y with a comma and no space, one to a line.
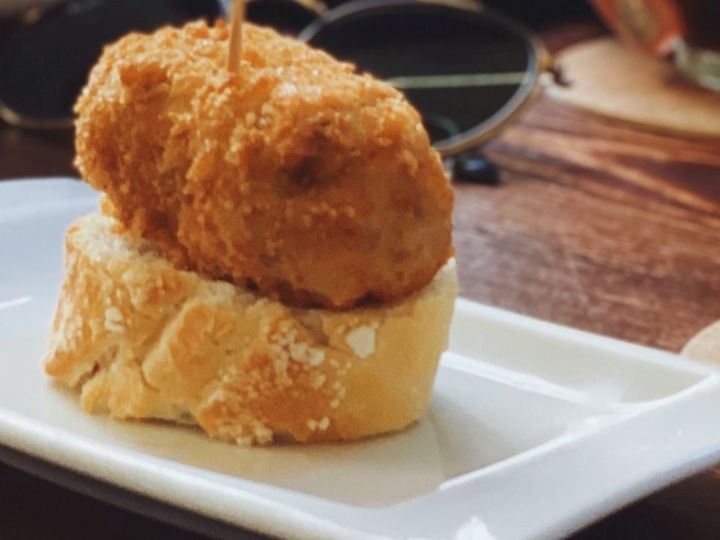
296,176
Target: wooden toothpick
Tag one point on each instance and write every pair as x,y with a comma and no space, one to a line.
235,47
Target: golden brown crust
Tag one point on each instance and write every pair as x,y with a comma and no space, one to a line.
141,339
314,183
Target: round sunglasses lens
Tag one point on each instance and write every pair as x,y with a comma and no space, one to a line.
458,66
45,63
287,16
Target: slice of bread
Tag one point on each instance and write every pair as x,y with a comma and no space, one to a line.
141,339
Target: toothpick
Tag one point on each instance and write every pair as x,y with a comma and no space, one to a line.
235,47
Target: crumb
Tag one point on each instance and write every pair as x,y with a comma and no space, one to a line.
362,341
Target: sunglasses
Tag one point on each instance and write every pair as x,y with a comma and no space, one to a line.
466,68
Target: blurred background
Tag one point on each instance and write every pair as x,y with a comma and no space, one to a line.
470,67
47,48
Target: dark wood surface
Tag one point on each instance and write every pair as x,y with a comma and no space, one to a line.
596,224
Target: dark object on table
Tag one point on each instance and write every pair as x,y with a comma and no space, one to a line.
472,166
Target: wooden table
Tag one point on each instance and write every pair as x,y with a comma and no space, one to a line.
596,225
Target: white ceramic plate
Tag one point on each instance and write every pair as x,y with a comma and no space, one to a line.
534,429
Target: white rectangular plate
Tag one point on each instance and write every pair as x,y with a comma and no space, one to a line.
534,429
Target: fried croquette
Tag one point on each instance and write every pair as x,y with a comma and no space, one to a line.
296,176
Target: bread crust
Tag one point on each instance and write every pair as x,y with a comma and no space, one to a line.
141,339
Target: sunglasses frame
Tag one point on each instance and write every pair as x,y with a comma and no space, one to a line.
539,61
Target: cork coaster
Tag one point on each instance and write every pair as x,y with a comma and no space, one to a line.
705,345
620,83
